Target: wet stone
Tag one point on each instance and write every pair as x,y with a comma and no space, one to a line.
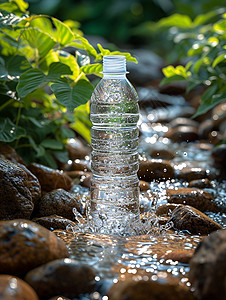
208,267
157,169
200,183
59,298
197,198
54,222
65,277
183,122
10,154
219,114
143,185
77,165
143,288
50,179
58,202
162,154
182,134
85,181
25,245
187,218
219,156
15,195
166,209
188,174
76,149
12,288
181,256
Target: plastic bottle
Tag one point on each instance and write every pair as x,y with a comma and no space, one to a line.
114,204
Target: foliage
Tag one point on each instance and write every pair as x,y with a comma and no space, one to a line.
44,89
202,44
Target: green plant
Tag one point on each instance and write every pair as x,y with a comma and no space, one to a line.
44,88
201,43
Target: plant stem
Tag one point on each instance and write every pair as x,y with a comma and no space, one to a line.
6,104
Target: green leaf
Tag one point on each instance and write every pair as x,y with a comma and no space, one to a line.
206,105
171,79
192,85
62,156
108,52
8,19
84,44
52,144
63,34
9,131
219,59
80,128
39,40
21,4
209,92
204,18
12,67
72,96
30,81
177,20
58,69
220,27
92,68
67,133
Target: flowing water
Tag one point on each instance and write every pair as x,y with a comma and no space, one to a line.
148,254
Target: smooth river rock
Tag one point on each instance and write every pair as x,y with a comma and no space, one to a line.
155,169
200,183
54,222
197,198
182,134
66,277
76,149
13,288
25,245
15,195
188,174
208,267
10,154
50,179
187,218
58,202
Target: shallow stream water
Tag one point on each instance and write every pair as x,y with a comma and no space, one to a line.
146,256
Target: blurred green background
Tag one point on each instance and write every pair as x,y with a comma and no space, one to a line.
118,20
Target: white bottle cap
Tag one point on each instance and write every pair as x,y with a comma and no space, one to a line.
114,64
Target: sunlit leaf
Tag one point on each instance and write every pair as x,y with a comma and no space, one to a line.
58,69
103,52
219,59
39,40
63,34
8,19
84,131
9,131
93,68
177,20
220,27
171,79
83,43
204,18
72,96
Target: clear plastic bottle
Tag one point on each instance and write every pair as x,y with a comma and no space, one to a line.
114,204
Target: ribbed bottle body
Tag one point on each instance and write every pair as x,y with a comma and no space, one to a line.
114,203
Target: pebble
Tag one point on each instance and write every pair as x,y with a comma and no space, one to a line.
54,222
58,202
50,179
143,185
182,134
157,169
16,197
219,156
10,154
188,174
183,122
13,288
162,154
197,198
76,149
77,165
187,218
25,245
200,183
208,267
66,277
166,209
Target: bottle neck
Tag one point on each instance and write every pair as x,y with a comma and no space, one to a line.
114,76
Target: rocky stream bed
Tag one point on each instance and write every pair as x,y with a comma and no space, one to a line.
46,251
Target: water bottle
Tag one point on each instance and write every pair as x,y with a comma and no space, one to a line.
114,203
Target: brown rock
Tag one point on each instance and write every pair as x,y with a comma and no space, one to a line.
200,183
75,174
219,156
10,154
183,122
188,174
86,180
162,153
144,186
208,267
205,128
76,149
197,198
50,179
157,169
59,298
149,290
15,195
181,256
15,288
63,276
77,165
219,114
58,202
54,222
25,245
183,134
188,218
166,209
